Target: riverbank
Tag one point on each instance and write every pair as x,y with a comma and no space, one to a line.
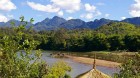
98,62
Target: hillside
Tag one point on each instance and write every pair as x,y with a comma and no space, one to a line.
117,28
135,20
49,24
58,22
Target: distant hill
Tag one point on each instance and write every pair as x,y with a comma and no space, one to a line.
97,23
135,20
117,28
49,23
2,24
73,23
58,22
16,23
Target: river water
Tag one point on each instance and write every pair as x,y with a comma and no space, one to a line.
78,68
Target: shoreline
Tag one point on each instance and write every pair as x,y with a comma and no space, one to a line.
99,62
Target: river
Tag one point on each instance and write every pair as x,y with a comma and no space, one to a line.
78,68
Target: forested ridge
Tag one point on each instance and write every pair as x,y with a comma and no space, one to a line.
113,36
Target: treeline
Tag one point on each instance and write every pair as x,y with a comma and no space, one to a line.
113,36
97,42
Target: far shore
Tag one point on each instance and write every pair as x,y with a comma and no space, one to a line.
98,61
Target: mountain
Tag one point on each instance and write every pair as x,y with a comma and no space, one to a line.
97,23
58,22
49,23
2,24
135,20
16,23
73,23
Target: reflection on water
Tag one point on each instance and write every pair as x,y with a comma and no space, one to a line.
78,68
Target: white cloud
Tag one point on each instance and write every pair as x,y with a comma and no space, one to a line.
3,18
137,1
60,13
68,5
90,8
69,18
135,9
45,8
90,16
87,16
107,15
123,18
7,5
92,11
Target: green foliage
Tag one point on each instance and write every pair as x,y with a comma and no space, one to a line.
19,59
99,42
67,76
116,42
130,69
119,28
113,36
15,63
132,42
58,70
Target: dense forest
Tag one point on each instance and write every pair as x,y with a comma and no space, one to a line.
113,36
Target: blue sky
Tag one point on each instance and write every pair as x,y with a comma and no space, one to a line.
86,10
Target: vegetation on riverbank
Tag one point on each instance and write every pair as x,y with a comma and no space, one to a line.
17,59
115,56
130,68
110,37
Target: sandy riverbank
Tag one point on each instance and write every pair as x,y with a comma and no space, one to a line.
98,62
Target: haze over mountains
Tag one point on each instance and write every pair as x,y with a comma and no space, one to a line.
58,22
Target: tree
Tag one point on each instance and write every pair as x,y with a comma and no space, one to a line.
99,42
130,69
132,42
58,70
116,42
18,60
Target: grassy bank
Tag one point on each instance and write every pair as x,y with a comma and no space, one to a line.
119,57
98,61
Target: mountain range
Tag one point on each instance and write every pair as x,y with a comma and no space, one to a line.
58,22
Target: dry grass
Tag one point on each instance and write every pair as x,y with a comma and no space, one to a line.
115,56
98,62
